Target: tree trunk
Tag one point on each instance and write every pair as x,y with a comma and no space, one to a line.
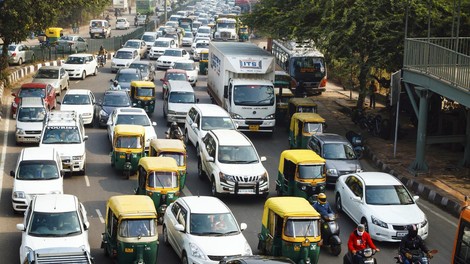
364,71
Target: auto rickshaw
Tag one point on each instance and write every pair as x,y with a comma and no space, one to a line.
51,35
158,178
143,95
302,105
303,126
203,61
173,148
130,233
282,99
290,228
301,173
128,148
243,34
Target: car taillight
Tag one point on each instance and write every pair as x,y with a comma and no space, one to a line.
323,82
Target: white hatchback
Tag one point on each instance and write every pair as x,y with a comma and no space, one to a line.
81,65
122,23
82,101
191,69
203,230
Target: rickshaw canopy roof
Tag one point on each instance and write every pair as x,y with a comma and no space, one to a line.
288,207
171,145
307,101
308,117
159,164
53,31
301,156
145,84
132,206
129,130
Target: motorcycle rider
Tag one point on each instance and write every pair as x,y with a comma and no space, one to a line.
102,53
322,206
359,240
115,86
174,130
410,243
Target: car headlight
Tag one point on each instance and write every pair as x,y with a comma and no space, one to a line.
269,117
226,177
264,176
77,157
236,116
103,113
424,223
378,222
19,195
196,251
113,63
19,131
332,172
247,250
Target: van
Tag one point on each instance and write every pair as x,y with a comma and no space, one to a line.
179,98
29,120
100,28
149,38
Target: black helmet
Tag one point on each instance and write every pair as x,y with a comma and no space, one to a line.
174,124
115,82
412,231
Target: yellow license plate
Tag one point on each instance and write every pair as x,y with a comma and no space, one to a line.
122,156
253,127
128,250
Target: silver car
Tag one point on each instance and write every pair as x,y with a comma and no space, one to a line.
56,76
72,44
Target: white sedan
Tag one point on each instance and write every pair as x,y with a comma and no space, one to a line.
191,69
122,23
202,229
380,202
170,56
82,101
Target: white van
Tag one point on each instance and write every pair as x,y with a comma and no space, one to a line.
29,120
178,100
100,28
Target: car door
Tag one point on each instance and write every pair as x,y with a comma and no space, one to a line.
110,125
81,44
352,190
185,55
209,150
64,78
188,126
180,237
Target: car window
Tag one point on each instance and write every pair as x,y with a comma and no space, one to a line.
62,224
192,113
76,99
116,100
175,208
388,195
181,217
37,170
209,224
216,122
61,135
31,114
142,120
355,185
182,97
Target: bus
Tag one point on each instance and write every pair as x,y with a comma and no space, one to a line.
303,62
461,254
145,7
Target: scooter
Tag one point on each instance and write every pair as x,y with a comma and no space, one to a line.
367,256
330,234
356,141
101,61
417,257
176,135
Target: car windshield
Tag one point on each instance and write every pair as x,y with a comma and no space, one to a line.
176,76
226,25
61,135
182,97
301,227
161,43
253,95
188,35
204,30
313,127
121,20
132,44
216,122
127,77
148,38
67,38
141,120
37,170
11,47
162,179
338,151
128,142
237,154
202,45
126,55
179,157
31,114
76,99
47,74
187,66
145,91
388,195
140,66
213,224
75,60
137,228
116,100
311,171
174,53
54,224
32,92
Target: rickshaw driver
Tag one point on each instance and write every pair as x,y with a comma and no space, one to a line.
322,206
138,228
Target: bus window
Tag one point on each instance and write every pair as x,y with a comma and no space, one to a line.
461,253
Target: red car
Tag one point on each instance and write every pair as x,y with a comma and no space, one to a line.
172,74
43,90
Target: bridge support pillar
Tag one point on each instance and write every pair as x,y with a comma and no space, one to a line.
466,154
419,164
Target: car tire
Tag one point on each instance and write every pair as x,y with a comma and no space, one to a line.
184,259
33,58
214,188
68,84
83,172
76,50
200,171
95,72
165,236
338,204
83,75
20,61
186,137
366,225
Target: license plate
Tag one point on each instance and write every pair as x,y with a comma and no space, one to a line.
128,250
245,191
401,234
253,127
122,156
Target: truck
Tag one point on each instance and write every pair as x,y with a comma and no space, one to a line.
240,80
121,5
226,28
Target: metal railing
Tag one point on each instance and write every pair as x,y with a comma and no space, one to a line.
444,58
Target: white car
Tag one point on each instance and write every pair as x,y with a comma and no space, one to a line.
81,65
204,31
191,69
203,230
380,202
188,39
170,56
30,120
230,161
123,58
51,221
139,45
198,48
172,24
159,47
54,75
149,38
132,116
82,101
196,39
122,23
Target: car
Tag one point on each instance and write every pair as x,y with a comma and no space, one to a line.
56,76
196,39
123,58
149,38
81,101
381,203
172,74
256,259
99,28
132,116
202,229
126,76
147,69
338,153
204,117
231,163
19,53
37,172
159,47
81,65
187,39
71,44
29,120
198,48
174,34
140,20
53,220
179,99
137,44
196,25
175,18
191,69
204,31
172,24
122,23
111,100
43,90
170,56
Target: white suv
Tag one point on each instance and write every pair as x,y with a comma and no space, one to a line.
51,221
37,171
230,161
29,120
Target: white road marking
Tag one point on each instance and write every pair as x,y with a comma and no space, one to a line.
100,216
186,192
87,182
5,144
438,215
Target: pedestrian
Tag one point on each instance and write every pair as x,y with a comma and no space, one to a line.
130,10
372,92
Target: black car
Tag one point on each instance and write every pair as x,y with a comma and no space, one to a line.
256,259
146,68
111,100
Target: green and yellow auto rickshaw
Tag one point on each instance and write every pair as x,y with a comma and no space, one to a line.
303,126
203,61
243,34
302,105
301,173
283,95
53,34
130,233
290,228
173,148
143,95
128,148
158,178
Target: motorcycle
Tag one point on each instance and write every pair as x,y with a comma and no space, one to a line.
330,234
367,256
356,141
101,61
417,257
177,134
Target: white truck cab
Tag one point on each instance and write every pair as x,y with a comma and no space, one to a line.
30,120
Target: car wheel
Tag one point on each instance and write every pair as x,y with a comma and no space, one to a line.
83,172
165,236
339,206
200,171
33,58
214,188
58,94
20,61
76,50
186,137
68,84
96,71
184,259
83,75
366,225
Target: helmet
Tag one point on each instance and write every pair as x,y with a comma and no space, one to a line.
115,83
360,229
321,198
412,230
174,124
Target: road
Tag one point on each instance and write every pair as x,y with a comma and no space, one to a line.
101,182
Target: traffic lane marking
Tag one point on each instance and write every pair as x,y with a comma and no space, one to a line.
100,216
87,181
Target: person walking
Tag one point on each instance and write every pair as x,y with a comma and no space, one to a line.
130,10
372,92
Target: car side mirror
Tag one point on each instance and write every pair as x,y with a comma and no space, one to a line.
416,198
194,125
154,123
85,137
111,80
179,227
20,227
13,94
12,173
243,226
59,103
357,199
210,159
197,100
86,225
263,158
62,173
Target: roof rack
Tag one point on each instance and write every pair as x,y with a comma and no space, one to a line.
62,116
